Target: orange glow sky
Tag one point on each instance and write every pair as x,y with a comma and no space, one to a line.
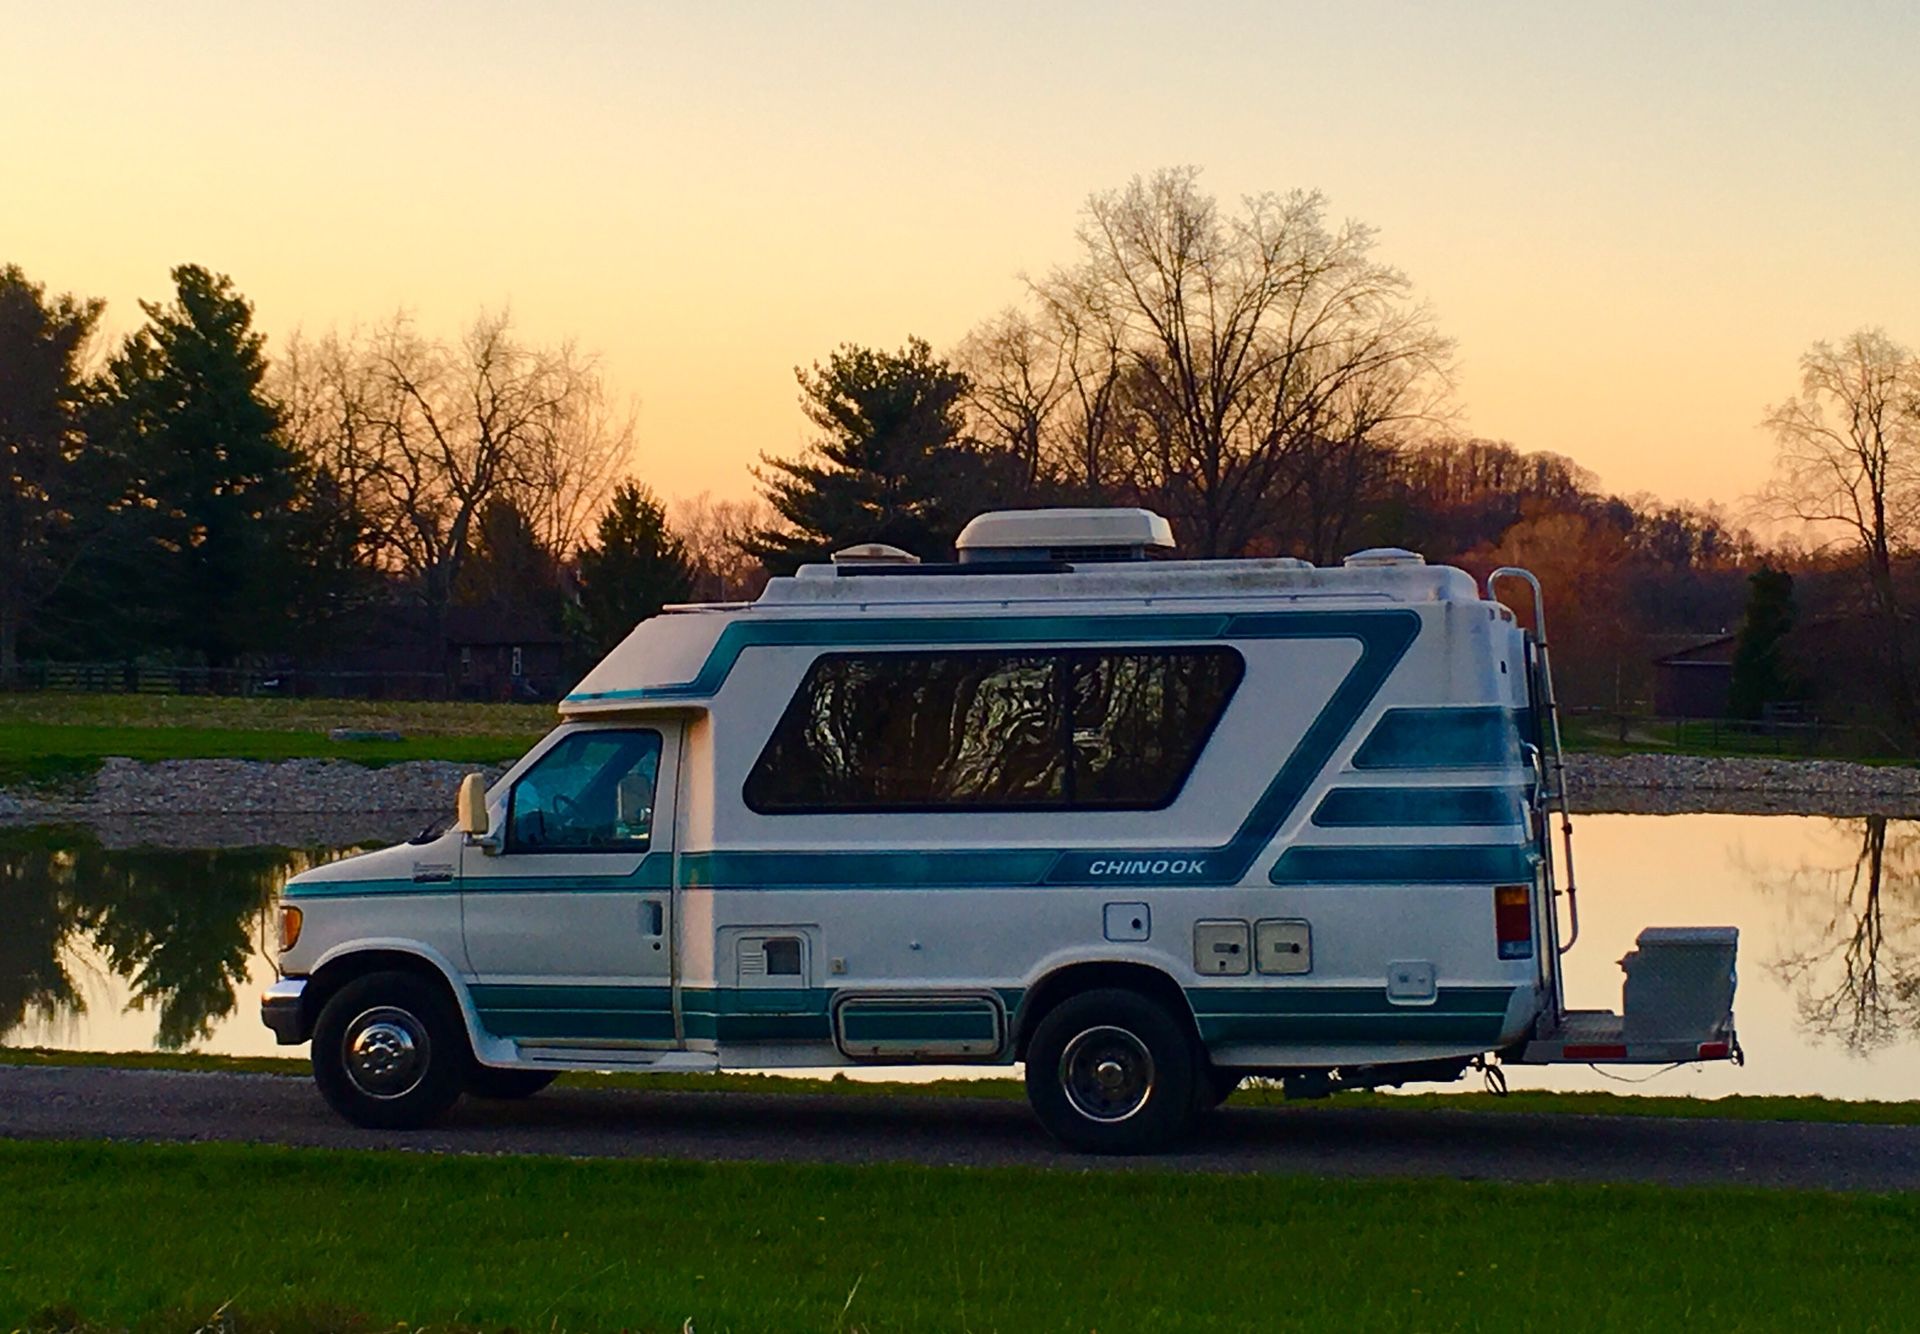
1632,218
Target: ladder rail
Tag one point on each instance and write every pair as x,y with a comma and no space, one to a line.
1550,709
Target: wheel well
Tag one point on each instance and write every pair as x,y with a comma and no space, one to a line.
336,973
1076,978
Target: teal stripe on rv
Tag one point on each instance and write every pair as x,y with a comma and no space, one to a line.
1442,864
1475,737
802,1014
353,889
771,1014
655,872
629,1014
960,1021
1469,1015
841,631
1420,807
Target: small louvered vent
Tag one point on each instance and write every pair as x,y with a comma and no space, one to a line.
771,961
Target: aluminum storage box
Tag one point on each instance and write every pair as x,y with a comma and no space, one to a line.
1680,982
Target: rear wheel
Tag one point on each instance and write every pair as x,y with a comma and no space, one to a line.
486,1081
389,1052
1112,1071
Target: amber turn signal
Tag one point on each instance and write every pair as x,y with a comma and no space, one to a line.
290,922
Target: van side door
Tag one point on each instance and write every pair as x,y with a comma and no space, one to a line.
569,919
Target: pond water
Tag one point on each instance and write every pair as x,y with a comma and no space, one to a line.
110,949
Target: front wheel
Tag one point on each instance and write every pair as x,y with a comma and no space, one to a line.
488,1081
1111,1071
389,1052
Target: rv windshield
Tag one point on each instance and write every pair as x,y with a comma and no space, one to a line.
593,792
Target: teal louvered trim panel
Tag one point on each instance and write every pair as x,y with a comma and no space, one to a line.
1475,737
1421,807
1433,864
1319,1015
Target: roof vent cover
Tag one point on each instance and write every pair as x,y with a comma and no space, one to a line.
1376,557
874,553
1064,534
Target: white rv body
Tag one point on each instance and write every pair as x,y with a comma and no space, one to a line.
1314,895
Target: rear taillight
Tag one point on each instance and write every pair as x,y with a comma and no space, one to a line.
1513,920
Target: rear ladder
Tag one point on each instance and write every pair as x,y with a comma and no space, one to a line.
1682,977
1550,764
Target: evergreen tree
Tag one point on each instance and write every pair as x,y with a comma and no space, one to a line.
509,568
635,567
1761,673
891,463
46,505
328,552
213,485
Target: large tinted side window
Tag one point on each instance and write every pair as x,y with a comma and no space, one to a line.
907,731
1140,719
1113,729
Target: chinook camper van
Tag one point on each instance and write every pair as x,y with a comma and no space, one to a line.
1147,825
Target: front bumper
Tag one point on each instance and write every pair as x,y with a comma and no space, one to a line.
282,1009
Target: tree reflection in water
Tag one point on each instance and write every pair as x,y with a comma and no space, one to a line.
179,927
1856,976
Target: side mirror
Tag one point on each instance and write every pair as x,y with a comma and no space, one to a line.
471,806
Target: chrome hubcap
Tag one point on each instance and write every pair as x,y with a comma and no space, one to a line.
1107,1074
387,1051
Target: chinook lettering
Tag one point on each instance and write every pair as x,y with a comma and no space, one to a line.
1149,866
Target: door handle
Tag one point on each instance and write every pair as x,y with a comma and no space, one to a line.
653,917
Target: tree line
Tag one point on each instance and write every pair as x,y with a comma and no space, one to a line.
188,500
1253,370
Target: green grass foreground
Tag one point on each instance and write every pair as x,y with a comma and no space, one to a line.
242,1237
1737,1107
49,739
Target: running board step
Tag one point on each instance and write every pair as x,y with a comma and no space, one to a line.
569,1057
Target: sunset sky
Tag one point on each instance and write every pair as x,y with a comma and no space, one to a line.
1633,219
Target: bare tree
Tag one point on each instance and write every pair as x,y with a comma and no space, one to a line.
1214,361
1848,462
1855,973
326,389
422,434
714,533
1016,383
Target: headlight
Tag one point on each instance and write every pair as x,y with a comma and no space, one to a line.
290,921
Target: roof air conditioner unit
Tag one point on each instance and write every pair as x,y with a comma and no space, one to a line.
1063,535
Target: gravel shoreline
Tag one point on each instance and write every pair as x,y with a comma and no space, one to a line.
1702,785
315,802
237,803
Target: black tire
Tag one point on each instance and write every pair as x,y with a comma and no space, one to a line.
487,1081
390,1052
1216,1085
1111,1071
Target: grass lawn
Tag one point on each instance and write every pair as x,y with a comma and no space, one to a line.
243,1237
1601,736
54,738
1740,1108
